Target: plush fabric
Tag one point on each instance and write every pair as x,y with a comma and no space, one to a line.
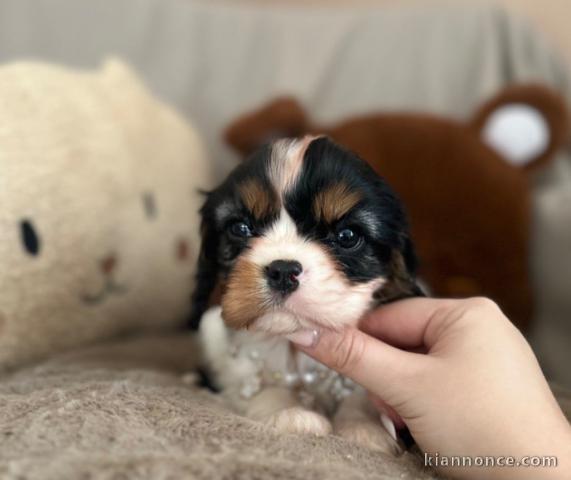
130,410
99,191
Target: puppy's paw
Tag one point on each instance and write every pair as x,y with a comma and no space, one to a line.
300,420
369,434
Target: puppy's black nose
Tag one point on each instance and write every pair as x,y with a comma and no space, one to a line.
282,275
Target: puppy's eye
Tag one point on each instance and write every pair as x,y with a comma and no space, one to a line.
240,230
348,238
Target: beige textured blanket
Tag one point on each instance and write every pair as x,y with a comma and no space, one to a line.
130,410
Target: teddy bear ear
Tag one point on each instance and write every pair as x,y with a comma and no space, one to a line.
525,124
119,75
282,117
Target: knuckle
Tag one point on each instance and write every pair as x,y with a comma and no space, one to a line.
482,305
347,352
466,313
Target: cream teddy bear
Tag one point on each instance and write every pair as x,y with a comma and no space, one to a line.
99,191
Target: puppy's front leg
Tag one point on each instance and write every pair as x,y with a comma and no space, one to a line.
278,408
356,421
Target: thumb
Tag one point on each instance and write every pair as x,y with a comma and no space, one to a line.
375,365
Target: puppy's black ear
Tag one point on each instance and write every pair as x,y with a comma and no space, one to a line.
207,269
401,281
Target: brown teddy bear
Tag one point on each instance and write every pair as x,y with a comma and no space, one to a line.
466,185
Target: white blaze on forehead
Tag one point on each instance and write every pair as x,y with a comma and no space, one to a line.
280,242
286,162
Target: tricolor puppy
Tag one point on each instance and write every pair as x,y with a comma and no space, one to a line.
303,235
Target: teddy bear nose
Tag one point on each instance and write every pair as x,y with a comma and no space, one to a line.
282,275
108,264
182,249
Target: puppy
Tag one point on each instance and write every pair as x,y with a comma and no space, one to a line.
302,235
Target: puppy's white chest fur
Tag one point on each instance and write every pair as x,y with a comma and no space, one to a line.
244,363
264,378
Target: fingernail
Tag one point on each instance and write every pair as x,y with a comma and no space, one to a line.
389,425
304,338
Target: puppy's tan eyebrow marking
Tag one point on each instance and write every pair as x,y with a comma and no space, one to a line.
335,201
259,200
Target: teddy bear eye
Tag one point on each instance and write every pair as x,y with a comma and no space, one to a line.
29,237
149,205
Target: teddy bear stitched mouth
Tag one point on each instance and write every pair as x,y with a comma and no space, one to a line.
110,288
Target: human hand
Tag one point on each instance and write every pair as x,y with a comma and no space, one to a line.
477,391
